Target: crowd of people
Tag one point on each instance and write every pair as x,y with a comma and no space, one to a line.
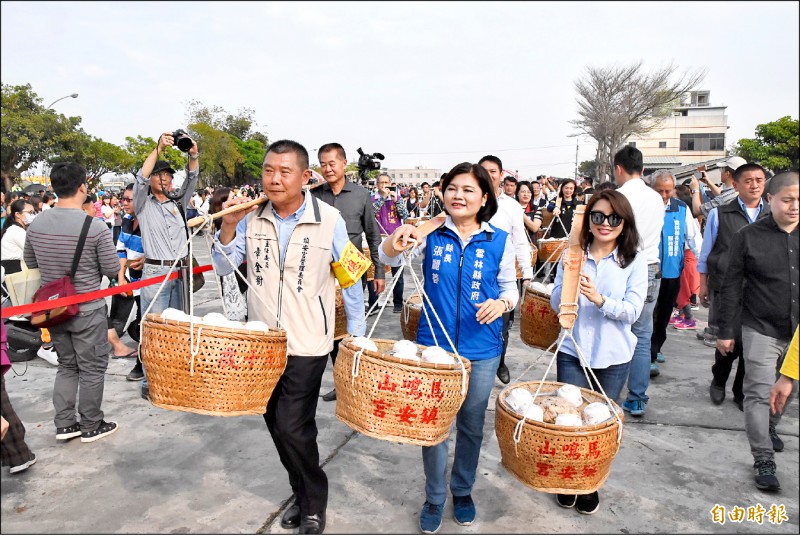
654,251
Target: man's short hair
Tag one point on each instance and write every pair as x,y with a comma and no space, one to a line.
782,180
425,184
129,187
493,159
386,175
287,145
742,169
66,178
510,178
630,159
327,147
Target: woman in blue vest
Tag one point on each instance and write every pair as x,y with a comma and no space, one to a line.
613,286
470,278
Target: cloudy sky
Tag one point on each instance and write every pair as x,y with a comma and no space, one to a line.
429,84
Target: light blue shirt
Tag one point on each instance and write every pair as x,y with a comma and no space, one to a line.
236,250
712,229
604,334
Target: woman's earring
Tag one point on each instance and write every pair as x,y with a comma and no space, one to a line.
484,204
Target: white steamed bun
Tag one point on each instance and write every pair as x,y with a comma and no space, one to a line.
174,314
519,399
570,393
436,355
596,413
405,349
364,343
215,319
256,326
570,420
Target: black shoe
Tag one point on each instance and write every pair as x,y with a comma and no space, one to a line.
330,396
739,403
503,375
66,433
397,309
588,504
105,428
312,523
291,518
765,475
777,443
145,392
567,501
137,373
717,393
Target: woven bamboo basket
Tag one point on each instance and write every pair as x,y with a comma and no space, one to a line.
538,326
553,458
234,370
409,318
533,260
340,325
394,400
547,217
371,270
551,249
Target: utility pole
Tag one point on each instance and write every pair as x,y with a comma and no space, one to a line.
577,139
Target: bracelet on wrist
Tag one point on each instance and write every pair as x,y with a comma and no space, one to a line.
195,157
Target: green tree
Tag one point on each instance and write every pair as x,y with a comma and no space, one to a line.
588,168
100,157
32,133
138,148
252,152
220,154
776,145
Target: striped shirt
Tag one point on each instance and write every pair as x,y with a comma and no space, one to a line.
129,246
50,245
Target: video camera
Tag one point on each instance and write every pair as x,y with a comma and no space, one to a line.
367,163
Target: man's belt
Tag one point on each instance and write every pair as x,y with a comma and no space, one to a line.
182,262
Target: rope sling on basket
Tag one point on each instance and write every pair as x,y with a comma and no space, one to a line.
393,399
554,458
538,326
209,369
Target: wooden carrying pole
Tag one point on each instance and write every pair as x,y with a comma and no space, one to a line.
573,264
195,221
423,230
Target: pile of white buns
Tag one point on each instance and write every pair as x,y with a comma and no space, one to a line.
564,408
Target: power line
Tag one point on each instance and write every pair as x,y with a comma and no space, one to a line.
480,150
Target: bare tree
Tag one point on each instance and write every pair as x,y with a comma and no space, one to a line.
615,103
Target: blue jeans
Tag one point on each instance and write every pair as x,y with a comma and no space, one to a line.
639,376
170,297
612,379
469,436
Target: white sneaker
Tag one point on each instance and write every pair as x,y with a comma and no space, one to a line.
49,354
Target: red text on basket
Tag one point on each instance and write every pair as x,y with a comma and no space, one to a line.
228,358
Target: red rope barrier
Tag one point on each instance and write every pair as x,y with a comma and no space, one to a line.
7,312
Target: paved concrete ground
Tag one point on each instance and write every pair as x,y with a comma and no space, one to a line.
175,472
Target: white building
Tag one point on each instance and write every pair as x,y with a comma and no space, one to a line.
694,132
415,175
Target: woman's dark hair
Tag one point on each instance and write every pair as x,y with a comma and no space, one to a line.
628,240
684,193
215,205
607,185
484,182
36,201
564,183
413,190
14,208
519,187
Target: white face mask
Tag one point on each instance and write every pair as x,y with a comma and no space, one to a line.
29,219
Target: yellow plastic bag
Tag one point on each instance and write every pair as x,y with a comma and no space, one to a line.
351,266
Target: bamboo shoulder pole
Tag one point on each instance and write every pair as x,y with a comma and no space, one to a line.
423,230
195,221
573,264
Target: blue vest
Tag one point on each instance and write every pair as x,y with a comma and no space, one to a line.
673,239
455,280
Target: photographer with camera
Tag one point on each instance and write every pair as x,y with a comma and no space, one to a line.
163,227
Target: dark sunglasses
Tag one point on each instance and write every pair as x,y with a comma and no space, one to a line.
599,217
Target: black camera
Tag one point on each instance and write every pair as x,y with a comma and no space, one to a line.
182,140
367,163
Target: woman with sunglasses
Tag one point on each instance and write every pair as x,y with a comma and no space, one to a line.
613,286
